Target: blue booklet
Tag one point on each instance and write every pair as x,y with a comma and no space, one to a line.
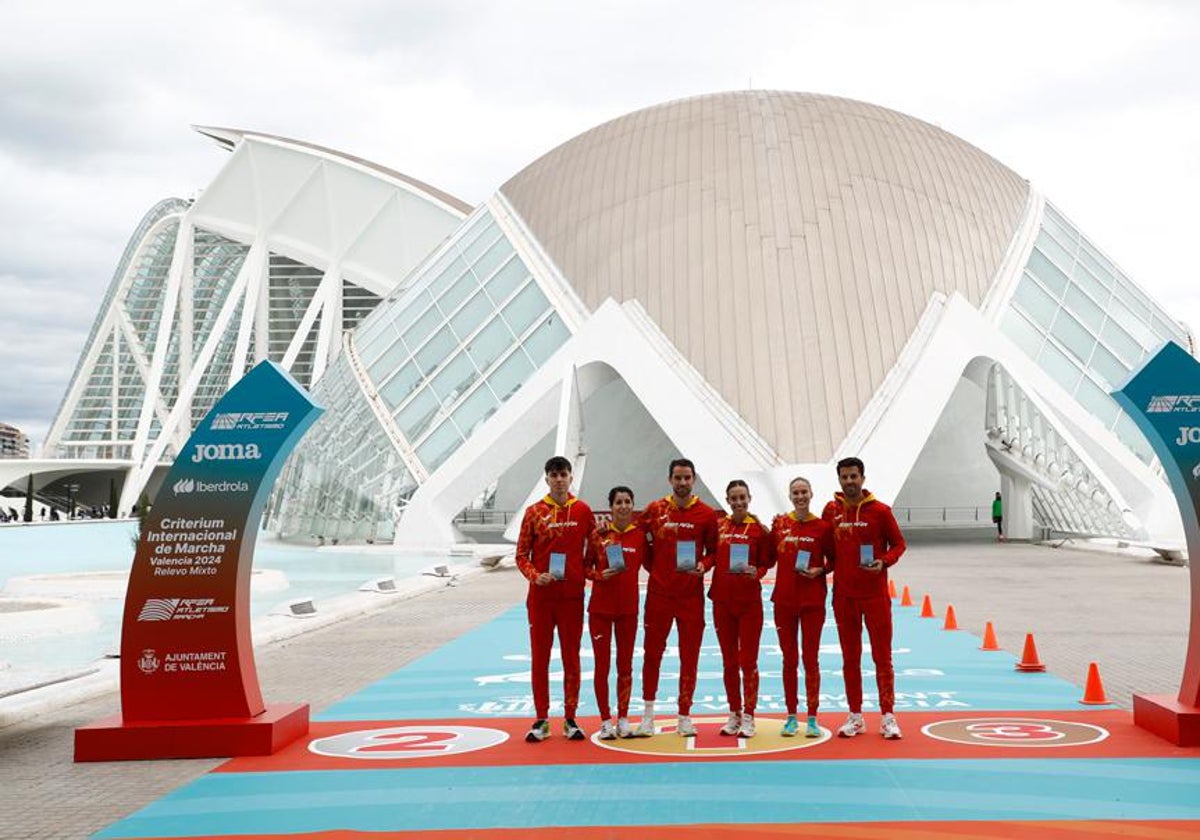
866,555
616,556
558,565
739,557
685,556
802,558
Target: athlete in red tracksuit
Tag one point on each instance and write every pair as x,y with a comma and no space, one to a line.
866,541
737,604
682,530
614,606
804,555
551,555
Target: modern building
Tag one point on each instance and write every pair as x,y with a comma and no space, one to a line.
278,258
13,442
762,281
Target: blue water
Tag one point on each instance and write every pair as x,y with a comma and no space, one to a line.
314,573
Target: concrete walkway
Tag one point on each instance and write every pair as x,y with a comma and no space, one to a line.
1127,613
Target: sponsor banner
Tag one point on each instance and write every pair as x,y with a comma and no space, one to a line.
1163,399
185,644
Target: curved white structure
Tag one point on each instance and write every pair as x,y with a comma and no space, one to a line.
288,248
764,282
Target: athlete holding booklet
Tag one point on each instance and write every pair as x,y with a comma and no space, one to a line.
618,551
683,532
744,554
804,556
551,556
866,542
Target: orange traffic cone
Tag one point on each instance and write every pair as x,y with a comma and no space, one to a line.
1029,658
891,588
1093,691
989,638
927,608
951,621
905,598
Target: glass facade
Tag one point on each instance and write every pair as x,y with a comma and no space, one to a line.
103,422
349,486
467,331
1085,323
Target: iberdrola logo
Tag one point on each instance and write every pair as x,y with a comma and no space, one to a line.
184,485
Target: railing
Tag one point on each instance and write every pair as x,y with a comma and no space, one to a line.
484,516
944,517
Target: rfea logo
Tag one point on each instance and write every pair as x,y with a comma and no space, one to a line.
1174,404
249,420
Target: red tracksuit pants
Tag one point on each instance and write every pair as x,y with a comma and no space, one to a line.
565,614
807,623
601,628
739,629
688,615
851,614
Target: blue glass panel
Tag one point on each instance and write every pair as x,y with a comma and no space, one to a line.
548,337
439,445
1052,276
1035,302
415,417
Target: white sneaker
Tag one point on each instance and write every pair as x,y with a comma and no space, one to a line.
747,728
854,725
624,730
889,728
608,732
732,725
685,727
645,729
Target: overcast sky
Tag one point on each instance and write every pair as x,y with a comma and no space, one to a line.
1097,103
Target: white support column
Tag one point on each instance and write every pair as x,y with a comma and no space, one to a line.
305,327
568,439
329,335
187,314
262,313
255,279
1016,495
162,342
113,424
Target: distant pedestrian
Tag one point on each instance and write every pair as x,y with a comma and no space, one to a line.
998,516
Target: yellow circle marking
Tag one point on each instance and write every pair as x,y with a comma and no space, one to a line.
709,744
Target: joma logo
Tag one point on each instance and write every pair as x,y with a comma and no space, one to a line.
226,452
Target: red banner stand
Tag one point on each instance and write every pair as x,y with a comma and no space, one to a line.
1168,718
189,685
111,739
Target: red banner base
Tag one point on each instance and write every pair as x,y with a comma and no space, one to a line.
112,739
1166,717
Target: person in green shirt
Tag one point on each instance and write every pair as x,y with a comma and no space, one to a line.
998,517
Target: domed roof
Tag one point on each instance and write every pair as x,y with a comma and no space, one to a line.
787,243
